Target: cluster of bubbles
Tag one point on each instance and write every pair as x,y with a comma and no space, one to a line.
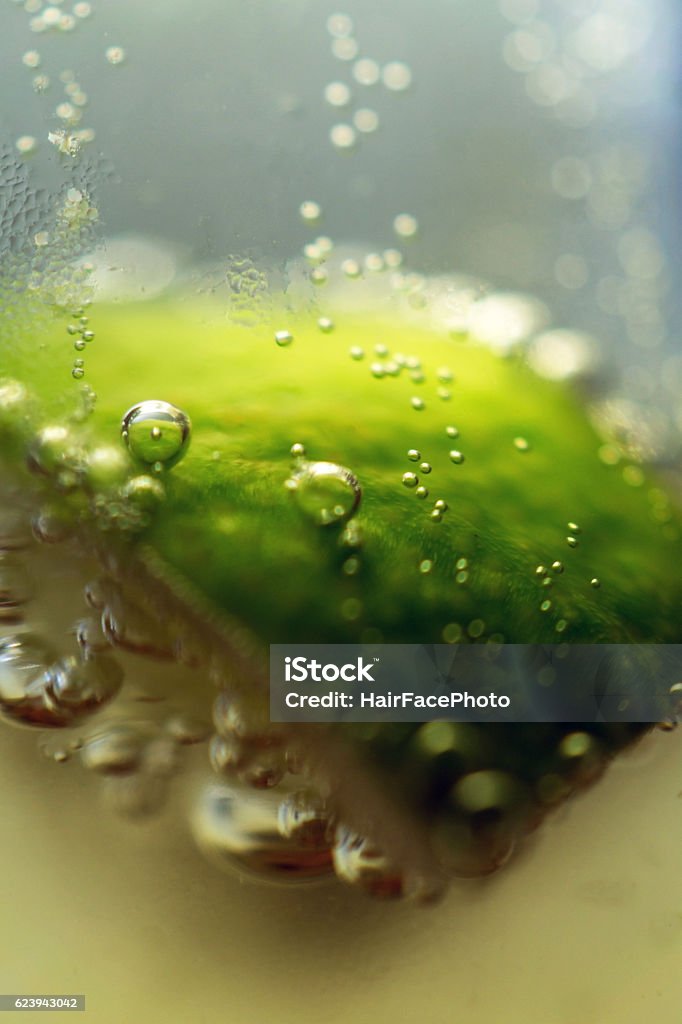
261,817
582,67
366,73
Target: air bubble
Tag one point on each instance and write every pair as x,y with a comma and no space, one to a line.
115,54
521,444
417,403
359,863
414,455
351,268
410,479
26,144
166,447
325,324
396,76
366,72
241,828
326,493
339,25
456,456
337,94
115,750
343,136
405,225
310,211
345,48
452,432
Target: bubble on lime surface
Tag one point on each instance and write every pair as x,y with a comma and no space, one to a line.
325,492
156,432
239,828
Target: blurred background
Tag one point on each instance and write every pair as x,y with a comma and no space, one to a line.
536,142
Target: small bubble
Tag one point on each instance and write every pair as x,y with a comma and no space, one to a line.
452,432
425,566
326,493
417,403
440,506
414,455
366,121
422,492
405,225
343,136
545,606
41,83
41,239
77,372
345,48
456,457
313,253
541,570
521,444
325,324
595,582
558,567
79,345
378,370
319,276
240,827
374,263
425,468
476,628
572,542
452,633
462,563
351,566
337,94
167,448
381,351
356,352
310,211
437,515
115,54
82,9
351,268
31,59
145,492
339,25
366,72
573,527
462,576
396,76
297,450
26,144
88,335
410,479
283,338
